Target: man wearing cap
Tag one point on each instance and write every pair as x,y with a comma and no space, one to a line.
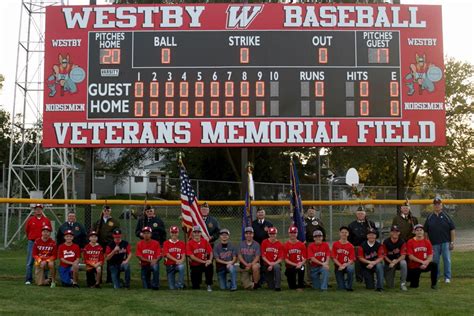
420,253
295,259
371,256
260,226
405,221
69,254
394,256
149,219
80,236
93,257
44,254
117,254
273,253
225,255
148,251
104,228
211,223
249,258
358,234
174,251
199,252
343,255
318,255
33,230
440,230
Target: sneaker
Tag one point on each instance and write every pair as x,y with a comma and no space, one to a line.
434,287
349,290
379,289
53,285
233,289
403,287
256,286
447,281
209,288
27,283
75,285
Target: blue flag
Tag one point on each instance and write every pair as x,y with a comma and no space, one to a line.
296,204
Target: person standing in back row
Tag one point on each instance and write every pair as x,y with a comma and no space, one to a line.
149,219
439,229
211,223
405,221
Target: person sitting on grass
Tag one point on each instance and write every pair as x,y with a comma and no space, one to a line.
226,255
249,259
149,253
174,251
318,255
118,256
343,255
295,259
69,254
371,258
44,255
93,257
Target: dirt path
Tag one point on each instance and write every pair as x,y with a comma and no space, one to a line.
464,240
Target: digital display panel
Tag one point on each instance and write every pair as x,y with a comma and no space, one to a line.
244,75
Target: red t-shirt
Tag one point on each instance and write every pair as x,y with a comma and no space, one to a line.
174,249
201,250
272,251
421,249
70,253
149,250
44,250
34,226
295,252
320,252
93,254
343,252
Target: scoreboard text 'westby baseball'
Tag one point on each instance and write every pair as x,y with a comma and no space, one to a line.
244,75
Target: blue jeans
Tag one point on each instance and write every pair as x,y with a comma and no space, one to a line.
222,276
151,276
442,250
115,275
171,275
368,275
29,261
319,278
65,275
345,283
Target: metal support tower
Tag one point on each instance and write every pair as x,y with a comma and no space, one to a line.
33,171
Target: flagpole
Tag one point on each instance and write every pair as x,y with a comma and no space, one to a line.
184,227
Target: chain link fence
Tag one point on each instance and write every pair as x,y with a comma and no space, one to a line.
164,188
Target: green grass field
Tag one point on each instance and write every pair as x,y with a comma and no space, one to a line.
16,298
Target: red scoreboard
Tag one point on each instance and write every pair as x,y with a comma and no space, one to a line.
243,75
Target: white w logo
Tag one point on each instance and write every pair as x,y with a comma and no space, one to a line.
241,16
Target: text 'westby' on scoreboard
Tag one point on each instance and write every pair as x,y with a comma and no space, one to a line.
244,75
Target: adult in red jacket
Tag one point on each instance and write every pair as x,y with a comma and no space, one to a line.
33,228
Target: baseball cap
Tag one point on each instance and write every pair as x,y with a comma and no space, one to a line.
272,230
107,207
293,229
224,231
360,209
46,227
174,229
248,229
317,232
197,229
418,226
371,231
117,233
394,228
68,232
437,200
146,229
406,203
38,206
205,205
93,232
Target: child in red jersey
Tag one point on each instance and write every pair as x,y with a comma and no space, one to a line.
69,254
420,252
318,255
149,253
343,255
174,251
44,255
93,256
200,252
273,253
295,259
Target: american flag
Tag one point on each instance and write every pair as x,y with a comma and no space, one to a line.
190,210
296,204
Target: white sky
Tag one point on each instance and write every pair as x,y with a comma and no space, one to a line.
458,29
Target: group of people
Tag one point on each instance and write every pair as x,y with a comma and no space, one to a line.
411,248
